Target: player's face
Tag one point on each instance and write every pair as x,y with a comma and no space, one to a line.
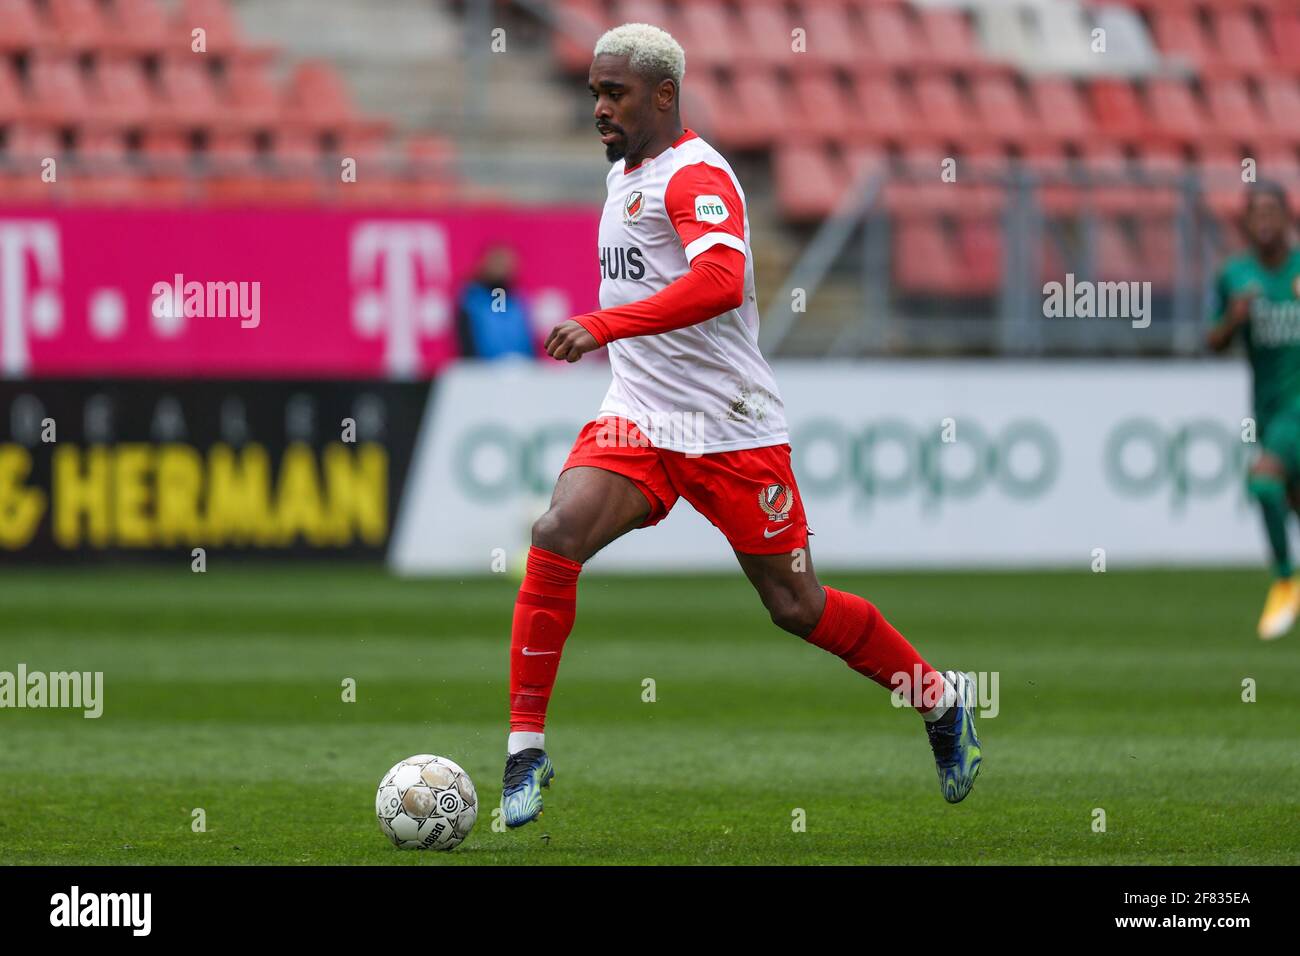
622,109
1266,221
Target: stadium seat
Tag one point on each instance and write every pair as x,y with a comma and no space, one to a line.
892,36
807,183
1060,111
831,39
923,260
1234,112
141,26
1175,112
1280,96
1002,110
979,246
821,107
944,108
189,96
21,30
1178,34
709,33
1284,28
951,43
13,103
767,36
56,94
214,18
120,93
1239,44
253,99
887,112
1118,111
582,26
78,24
1157,243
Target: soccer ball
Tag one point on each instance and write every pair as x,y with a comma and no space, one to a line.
426,803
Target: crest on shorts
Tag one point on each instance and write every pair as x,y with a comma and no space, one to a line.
633,206
776,500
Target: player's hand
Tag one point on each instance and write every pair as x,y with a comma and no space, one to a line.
1239,309
569,342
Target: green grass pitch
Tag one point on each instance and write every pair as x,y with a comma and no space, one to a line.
1120,691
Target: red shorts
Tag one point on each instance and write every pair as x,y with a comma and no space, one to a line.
749,495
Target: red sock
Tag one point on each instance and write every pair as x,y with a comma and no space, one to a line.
855,630
544,613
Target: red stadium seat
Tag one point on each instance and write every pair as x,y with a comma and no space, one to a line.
1281,100
1060,110
951,42
214,18
582,24
1284,27
979,243
821,108
807,183
1118,111
923,259
21,30
892,36
1178,33
140,25
1240,45
13,103
56,94
762,107
1175,111
944,108
79,24
1234,113
767,35
20,175
831,38
1157,243
887,112
708,35
189,95
1002,109
253,99
121,94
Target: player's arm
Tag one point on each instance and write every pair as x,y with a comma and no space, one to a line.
1232,312
714,284
707,213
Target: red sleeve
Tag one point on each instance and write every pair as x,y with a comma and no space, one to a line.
709,217
705,208
714,284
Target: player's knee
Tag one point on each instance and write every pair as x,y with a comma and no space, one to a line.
792,612
552,533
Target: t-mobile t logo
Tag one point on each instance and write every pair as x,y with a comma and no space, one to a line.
29,298
400,272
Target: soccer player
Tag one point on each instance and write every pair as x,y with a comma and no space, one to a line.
693,411
1258,295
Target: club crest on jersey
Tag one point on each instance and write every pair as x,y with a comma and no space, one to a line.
776,500
633,206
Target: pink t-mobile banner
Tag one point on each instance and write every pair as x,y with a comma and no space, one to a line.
260,293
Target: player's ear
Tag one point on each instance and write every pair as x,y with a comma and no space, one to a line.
666,94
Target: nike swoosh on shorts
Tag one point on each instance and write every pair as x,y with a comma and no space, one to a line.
769,533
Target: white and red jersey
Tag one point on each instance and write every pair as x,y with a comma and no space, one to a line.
660,215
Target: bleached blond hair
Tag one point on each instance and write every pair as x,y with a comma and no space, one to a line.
650,51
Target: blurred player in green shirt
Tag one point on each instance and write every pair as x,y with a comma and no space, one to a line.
1258,296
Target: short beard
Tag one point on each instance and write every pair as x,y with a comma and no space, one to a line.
614,153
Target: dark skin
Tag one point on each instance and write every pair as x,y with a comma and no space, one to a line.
1266,223
638,118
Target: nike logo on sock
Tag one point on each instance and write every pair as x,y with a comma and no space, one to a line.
769,533
528,653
